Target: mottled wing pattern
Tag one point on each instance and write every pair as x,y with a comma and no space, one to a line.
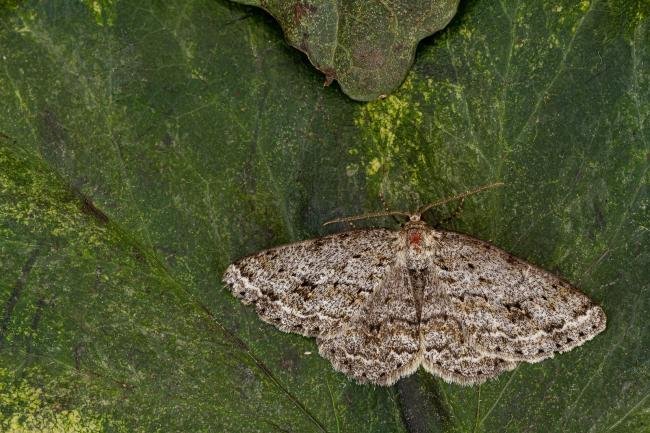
381,343
314,287
460,363
446,349
381,302
506,308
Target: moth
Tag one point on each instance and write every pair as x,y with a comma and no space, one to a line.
381,303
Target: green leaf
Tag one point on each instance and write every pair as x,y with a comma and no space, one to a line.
146,145
368,47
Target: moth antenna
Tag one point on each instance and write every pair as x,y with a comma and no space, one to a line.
366,216
459,196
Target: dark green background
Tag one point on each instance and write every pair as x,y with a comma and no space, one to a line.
144,146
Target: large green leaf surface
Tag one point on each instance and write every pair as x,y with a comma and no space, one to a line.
146,145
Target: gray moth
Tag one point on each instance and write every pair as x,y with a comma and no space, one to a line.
381,303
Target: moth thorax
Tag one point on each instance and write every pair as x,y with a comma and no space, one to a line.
417,249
